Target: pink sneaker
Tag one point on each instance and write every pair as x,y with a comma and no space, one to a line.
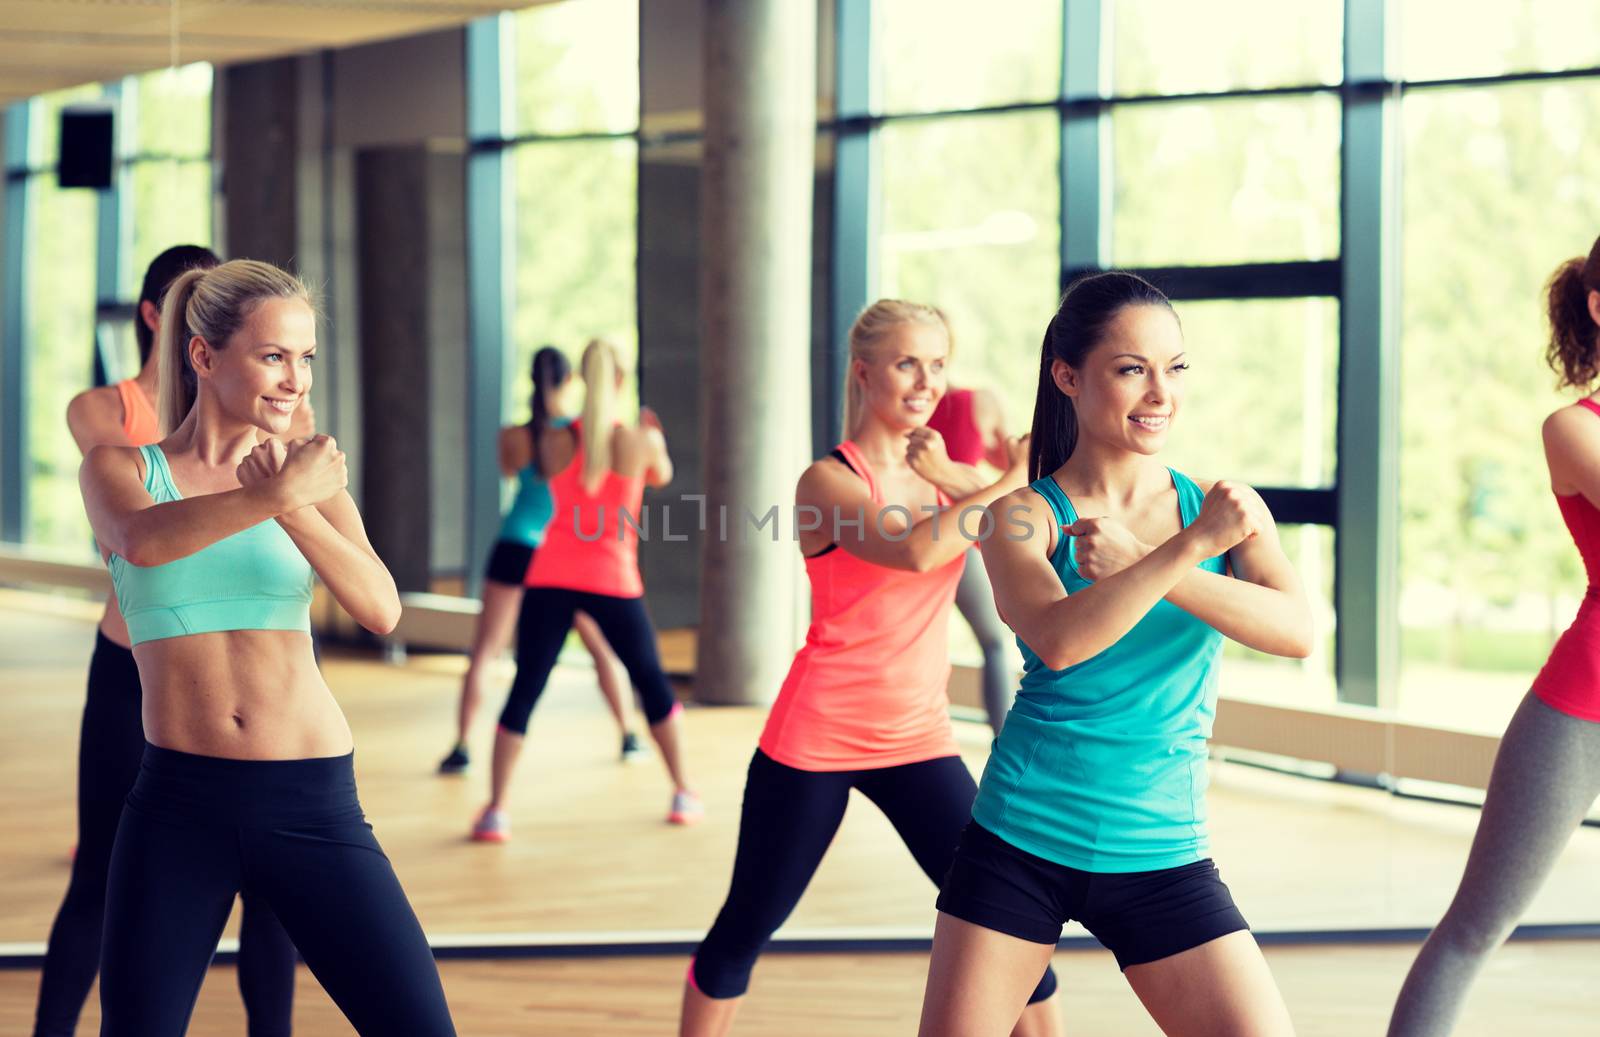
686,808
492,826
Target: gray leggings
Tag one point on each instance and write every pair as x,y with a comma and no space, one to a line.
975,599
1546,776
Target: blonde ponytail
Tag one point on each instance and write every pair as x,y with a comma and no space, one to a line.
599,367
871,326
212,304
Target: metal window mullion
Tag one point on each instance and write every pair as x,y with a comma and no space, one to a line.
490,288
14,303
857,208
1367,558
1085,150
112,227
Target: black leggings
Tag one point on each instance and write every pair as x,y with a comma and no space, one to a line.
788,820
542,629
109,748
196,830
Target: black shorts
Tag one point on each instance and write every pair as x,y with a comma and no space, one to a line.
508,562
1140,916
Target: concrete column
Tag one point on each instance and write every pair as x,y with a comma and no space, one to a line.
760,123
260,149
409,204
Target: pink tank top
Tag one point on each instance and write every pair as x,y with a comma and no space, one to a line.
1570,680
956,420
139,422
589,545
868,688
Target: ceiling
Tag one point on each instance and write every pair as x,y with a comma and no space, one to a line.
49,44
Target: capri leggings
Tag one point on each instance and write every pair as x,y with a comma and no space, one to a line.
789,818
196,831
109,749
542,629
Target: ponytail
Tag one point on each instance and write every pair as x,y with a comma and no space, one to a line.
210,304
1572,349
177,389
1080,323
1055,419
599,367
550,369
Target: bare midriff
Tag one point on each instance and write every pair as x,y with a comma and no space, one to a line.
240,695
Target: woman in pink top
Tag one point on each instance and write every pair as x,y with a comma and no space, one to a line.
864,705
1547,771
589,562
973,426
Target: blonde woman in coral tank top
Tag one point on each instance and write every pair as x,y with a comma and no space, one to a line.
865,704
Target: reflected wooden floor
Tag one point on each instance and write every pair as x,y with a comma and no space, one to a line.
592,852
1528,988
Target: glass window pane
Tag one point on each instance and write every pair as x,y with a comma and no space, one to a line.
59,340
1498,190
577,67
171,205
936,55
576,208
173,111
971,223
1282,355
1440,40
1237,181
1183,47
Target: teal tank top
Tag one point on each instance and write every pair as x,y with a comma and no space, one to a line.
254,580
1102,766
533,506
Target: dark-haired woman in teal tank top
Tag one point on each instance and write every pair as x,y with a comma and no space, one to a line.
1120,577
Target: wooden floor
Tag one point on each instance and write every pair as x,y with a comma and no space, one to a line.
1529,988
591,852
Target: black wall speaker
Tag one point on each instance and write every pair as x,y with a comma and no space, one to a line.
86,148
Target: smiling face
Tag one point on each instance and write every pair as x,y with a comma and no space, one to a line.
264,370
905,379
1128,390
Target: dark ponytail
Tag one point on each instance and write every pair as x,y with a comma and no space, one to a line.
550,368
1573,335
1087,309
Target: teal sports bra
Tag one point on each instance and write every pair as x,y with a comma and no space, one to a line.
1102,766
254,580
534,505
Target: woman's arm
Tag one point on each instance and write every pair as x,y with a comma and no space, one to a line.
330,534
1261,606
1061,629
927,456
127,522
1128,578
334,540
886,537
659,470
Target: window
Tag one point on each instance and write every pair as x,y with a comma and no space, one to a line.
943,55
1181,47
972,224
1440,39
1498,190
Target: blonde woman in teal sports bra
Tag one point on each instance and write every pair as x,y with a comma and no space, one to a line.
1120,577
247,781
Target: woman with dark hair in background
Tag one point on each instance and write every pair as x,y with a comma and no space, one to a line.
248,779
111,740
1547,771
1121,577
521,533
